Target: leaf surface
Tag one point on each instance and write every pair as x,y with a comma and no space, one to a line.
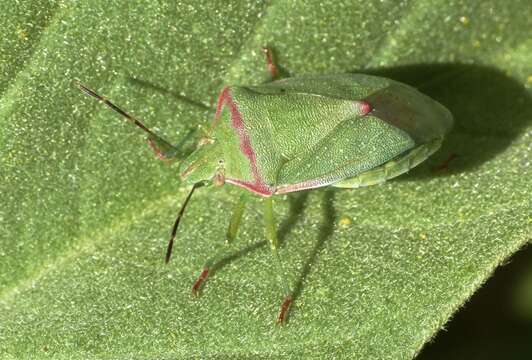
86,208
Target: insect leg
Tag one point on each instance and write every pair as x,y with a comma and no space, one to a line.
162,148
218,261
270,64
236,217
276,71
271,236
445,164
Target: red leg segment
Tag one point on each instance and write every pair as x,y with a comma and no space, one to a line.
272,68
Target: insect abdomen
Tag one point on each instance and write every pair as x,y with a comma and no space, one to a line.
392,168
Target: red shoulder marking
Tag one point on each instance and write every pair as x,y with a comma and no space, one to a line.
258,186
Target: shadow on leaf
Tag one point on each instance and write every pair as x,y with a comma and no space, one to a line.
296,208
168,92
490,109
325,232
297,204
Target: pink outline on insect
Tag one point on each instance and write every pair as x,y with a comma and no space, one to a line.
259,186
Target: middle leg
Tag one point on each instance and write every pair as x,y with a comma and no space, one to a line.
271,236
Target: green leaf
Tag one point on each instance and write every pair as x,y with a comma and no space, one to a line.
86,209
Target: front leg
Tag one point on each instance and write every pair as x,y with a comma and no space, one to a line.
162,149
214,263
236,217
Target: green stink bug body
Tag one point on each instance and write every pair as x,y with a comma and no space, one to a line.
300,133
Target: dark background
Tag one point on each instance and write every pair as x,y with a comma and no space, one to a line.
496,323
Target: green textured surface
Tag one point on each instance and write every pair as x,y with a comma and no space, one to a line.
86,209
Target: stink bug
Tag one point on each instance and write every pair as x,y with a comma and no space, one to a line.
301,133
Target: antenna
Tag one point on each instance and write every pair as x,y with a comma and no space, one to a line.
178,219
105,101
164,147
